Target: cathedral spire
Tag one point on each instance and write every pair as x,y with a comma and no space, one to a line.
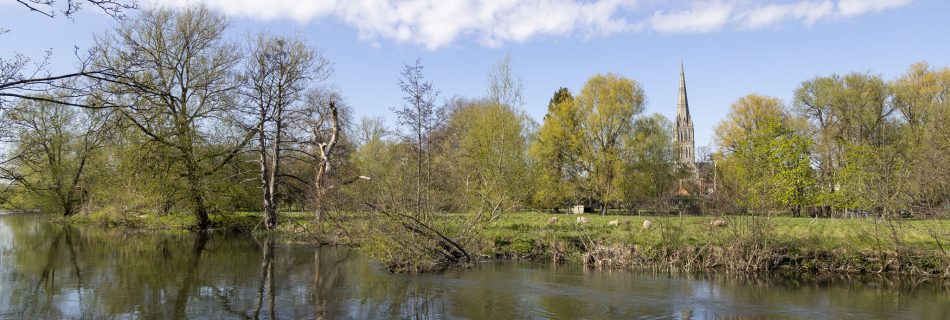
683,127
682,107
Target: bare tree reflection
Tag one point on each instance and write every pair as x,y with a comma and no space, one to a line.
267,278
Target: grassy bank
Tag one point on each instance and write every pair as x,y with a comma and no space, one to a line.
743,243
671,243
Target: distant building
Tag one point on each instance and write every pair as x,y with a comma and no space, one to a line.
683,139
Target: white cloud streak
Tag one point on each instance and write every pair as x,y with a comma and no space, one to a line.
807,12
439,23
850,8
700,17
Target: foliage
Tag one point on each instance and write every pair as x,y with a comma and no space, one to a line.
177,71
554,153
490,152
607,106
652,173
54,148
765,157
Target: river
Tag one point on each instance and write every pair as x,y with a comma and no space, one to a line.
51,271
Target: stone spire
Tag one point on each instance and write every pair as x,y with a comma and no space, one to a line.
683,127
682,105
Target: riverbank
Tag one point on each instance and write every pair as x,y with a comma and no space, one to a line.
690,243
742,244
64,271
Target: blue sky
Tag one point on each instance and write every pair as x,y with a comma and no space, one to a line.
730,47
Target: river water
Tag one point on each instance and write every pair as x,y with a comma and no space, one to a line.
50,271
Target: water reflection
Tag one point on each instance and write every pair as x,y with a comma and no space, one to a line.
55,271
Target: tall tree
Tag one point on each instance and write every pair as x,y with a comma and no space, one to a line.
556,152
843,110
653,168
419,117
176,77
766,155
922,99
490,147
278,71
607,106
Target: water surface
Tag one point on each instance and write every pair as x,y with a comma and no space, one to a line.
51,271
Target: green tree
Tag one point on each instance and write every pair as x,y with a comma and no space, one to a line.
52,152
766,156
491,149
607,107
875,178
922,99
853,109
175,73
654,172
555,152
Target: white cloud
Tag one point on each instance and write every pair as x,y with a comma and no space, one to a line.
700,17
439,23
850,8
807,12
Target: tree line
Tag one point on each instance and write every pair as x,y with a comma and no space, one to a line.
176,117
846,144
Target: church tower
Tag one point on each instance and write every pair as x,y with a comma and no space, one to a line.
683,140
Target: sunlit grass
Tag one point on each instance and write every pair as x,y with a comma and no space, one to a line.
696,230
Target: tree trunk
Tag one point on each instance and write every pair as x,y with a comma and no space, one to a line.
194,188
270,214
268,172
323,164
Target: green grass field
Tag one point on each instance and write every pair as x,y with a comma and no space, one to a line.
824,233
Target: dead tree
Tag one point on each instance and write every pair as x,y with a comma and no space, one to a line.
325,131
323,162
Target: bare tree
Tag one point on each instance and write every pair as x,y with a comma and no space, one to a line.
23,78
326,118
419,117
323,160
49,8
504,87
369,129
279,70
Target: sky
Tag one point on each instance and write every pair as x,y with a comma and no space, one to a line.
730,48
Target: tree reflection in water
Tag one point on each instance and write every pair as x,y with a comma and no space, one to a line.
54,271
